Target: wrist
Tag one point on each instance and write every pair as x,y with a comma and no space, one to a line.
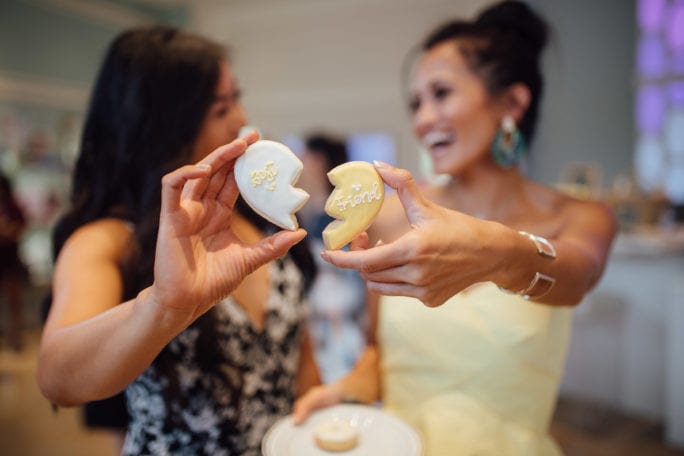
166,317
535,251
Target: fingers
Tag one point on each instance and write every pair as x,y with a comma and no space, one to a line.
382,256
316,398
272,247
360,242
229,192
251,137
174,182
224,187
405,289
407,190
221,161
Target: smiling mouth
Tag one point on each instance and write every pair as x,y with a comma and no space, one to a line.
438,139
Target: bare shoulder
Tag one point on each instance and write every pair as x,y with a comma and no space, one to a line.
89,265
581,216
106,239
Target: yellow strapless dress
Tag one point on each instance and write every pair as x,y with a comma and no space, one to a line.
478,375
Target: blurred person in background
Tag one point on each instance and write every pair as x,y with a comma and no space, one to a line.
163,286
13,272
337,295
473,280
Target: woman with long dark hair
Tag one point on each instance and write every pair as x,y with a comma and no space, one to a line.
163,286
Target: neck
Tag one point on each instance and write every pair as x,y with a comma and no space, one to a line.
486,192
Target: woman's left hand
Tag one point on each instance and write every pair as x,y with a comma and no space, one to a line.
444,252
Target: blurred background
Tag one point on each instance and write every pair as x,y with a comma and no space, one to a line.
612,128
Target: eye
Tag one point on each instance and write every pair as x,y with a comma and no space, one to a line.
440,93
221,110
414,104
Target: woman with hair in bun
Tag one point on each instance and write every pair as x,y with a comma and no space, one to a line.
472,282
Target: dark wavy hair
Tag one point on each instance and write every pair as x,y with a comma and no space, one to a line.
330,147
150,98
502,46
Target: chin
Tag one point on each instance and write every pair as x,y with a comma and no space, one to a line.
442,166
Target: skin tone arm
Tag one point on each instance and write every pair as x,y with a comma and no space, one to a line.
88,354
424,263
308,375
362,384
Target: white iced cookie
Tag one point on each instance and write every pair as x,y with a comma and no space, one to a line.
354,203
336,435
266,174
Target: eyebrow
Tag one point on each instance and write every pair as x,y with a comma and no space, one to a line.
228,96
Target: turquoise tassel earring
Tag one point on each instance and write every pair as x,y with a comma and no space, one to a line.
508,146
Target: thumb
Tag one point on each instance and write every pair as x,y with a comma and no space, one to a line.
408,192
273,247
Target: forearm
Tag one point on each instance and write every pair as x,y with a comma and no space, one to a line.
98,357
308,374
362,384
575,269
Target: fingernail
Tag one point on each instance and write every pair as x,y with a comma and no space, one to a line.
379,164
325,256
203,165
379,242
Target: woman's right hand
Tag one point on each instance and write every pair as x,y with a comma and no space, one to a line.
199,260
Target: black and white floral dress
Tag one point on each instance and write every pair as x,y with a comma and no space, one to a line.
225,410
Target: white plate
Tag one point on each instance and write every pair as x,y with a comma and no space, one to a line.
379,434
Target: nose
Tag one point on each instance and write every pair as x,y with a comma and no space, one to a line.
424,118
240,115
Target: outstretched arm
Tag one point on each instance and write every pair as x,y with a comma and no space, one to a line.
446,251
93,346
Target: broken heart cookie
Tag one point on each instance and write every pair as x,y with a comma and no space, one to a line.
266,174
354,203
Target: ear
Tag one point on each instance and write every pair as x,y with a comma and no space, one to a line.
516,100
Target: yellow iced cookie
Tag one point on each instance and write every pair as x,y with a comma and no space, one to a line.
354,203
266,174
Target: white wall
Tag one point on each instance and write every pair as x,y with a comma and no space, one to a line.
325,63
337,64
588,107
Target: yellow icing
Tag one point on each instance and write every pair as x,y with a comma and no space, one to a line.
354,203
258,176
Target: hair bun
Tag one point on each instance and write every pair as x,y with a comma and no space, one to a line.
518,18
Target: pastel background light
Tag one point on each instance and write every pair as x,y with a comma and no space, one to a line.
677,64
675,26
674,184
659,104
650,14
675,93
650,108
649,163
651,57
674,134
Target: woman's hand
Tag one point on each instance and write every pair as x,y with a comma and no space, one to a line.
199,260
443,253
316,398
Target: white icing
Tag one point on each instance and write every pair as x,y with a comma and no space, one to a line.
266,174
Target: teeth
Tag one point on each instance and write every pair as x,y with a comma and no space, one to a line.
435,137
